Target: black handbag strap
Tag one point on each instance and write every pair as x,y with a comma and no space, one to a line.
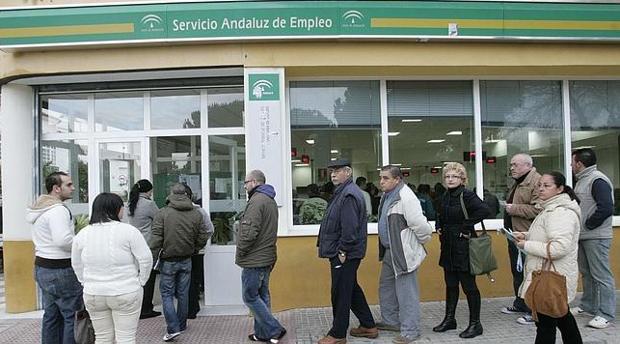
484,229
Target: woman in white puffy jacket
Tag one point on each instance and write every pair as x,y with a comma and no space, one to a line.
557,225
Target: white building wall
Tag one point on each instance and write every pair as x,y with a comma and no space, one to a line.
16,110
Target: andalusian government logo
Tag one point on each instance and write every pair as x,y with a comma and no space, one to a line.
353,18
264,86
151,23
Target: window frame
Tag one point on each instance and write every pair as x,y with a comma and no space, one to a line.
311,230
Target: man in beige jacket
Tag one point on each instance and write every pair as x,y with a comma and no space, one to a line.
519,213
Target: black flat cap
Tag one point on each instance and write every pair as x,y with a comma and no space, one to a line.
339,163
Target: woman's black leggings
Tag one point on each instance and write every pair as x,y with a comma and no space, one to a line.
468,283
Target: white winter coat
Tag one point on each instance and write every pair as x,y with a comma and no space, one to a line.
558,223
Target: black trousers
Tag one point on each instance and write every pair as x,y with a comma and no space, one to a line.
149,289
468,283
195,284
546,329
347,295
517,277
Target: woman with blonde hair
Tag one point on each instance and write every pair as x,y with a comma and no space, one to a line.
555,231
455,226
112,261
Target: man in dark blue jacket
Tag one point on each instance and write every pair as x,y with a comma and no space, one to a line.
342,239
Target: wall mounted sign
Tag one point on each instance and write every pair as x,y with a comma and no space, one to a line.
286,20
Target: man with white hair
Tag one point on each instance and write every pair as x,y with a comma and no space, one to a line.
519,213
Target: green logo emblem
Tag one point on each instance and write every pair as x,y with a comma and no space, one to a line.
264,86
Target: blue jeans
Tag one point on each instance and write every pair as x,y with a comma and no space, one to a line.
174,282
255,288
599,286
62,297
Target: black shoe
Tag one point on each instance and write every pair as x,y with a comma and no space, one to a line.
473,330
446,324
151,314
191,316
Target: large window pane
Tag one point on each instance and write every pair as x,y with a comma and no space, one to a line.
519,117
67,113
175,109
331,120
176,159
226,176
119,111
225,107
430,123
595,123
119,167
71,157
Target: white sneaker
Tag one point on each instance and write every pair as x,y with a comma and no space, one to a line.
526,320
580,311
168,337
598,322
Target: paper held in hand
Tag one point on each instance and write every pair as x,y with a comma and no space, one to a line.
510,235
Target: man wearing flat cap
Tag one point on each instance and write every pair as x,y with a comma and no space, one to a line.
342,240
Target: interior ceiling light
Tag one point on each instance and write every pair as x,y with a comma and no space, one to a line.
455,133
394,133
405,168
411,120
492,141
397,164
310,141
439,167
302,165
333,159
583,147
334,151
435,141
295,160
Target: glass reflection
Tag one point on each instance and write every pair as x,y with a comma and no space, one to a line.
64,113
118,111
175,109
519,117
225,107
332,120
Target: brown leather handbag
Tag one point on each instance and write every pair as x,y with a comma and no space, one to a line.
547,293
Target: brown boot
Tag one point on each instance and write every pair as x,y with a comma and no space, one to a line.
364,332
331,340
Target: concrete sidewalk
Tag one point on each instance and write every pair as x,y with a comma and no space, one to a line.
309,325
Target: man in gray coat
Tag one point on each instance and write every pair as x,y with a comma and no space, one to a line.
257,254
595,192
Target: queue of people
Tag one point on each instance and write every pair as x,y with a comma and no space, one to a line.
109,266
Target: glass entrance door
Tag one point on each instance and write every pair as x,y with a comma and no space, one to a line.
121,165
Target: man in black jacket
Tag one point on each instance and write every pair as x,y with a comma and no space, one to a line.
257,254
342,239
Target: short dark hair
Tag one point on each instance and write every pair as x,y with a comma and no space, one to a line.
106,207
586,156
54,179
394,171
361,181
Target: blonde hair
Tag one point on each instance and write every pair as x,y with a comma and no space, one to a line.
455,166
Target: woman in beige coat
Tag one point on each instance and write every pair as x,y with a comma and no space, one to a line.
557,225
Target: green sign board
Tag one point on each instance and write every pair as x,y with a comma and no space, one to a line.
281,20
264,86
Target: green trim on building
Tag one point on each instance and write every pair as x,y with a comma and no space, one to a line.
308,19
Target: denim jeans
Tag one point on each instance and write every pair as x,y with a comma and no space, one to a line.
174,282
517,276
62,297
255,289
599,288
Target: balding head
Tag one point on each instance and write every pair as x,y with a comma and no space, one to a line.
520,165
